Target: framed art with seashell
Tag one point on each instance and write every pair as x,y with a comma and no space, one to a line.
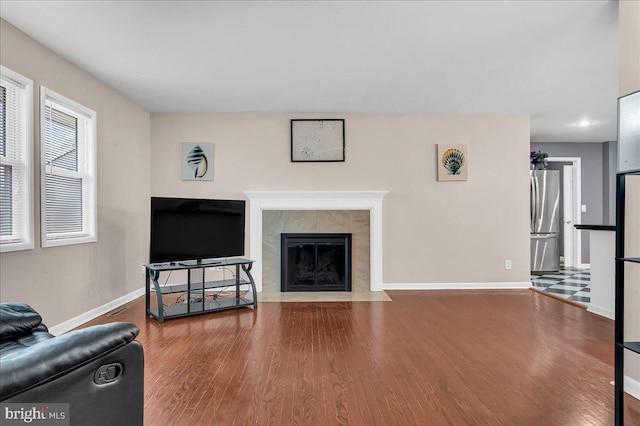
317,140
453,162
197,161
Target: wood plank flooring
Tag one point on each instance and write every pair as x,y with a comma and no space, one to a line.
427,358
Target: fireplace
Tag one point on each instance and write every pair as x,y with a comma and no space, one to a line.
316,262
371,201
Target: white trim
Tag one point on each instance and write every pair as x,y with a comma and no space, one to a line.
585,266
68,241
603,312
74,322
29,239
317,200
631,386
568,216
523,285
90,227
577,200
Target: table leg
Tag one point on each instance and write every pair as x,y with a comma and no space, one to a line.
154,278
247,269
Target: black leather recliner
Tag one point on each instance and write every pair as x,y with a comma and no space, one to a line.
98,370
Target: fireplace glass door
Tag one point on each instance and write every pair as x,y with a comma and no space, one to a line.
316,262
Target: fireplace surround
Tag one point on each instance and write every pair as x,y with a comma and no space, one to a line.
317,200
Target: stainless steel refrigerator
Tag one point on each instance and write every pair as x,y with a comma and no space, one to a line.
545,220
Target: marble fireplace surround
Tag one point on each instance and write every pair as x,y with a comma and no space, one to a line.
317,200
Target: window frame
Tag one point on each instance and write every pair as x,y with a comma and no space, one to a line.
87,158
27,200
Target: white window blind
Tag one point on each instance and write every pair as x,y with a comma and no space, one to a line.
68,195
16,147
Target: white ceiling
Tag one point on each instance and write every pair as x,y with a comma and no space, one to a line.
555,60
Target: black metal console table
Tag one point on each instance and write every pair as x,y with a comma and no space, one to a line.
622,259
201,296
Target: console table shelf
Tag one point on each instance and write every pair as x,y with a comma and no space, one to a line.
176,311
198,300
632,346
181,288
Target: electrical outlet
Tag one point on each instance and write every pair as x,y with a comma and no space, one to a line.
144,270
583,208
507,264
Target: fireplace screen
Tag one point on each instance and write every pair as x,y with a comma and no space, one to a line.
316,262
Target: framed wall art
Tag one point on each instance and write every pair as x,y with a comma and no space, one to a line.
317,140
197,161
453,162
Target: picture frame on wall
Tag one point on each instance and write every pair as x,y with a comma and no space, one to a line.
197,161
317,140
453,162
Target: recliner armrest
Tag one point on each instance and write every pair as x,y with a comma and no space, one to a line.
56,357
17,319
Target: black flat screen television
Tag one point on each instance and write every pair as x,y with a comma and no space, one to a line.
195,229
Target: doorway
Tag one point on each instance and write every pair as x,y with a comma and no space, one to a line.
570,207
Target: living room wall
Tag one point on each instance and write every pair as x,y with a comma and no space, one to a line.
63,282
434,232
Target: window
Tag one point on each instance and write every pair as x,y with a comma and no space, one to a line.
68,178
16,147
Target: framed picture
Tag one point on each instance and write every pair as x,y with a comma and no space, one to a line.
317,140
197,161
453,162
629,132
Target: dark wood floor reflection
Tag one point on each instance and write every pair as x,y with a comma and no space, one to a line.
427,358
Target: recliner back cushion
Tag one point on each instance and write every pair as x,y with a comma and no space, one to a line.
17,319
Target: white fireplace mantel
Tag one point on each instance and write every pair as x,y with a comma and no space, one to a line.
317,200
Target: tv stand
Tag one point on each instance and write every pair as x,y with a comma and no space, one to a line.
202,296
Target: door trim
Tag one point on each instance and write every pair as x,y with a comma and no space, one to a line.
568,215
576,238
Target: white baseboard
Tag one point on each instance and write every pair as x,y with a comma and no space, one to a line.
603,312
72,323
585,266
458,286
631,387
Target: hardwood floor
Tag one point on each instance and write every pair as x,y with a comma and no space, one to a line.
427,358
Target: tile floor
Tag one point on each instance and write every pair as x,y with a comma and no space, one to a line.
569,283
